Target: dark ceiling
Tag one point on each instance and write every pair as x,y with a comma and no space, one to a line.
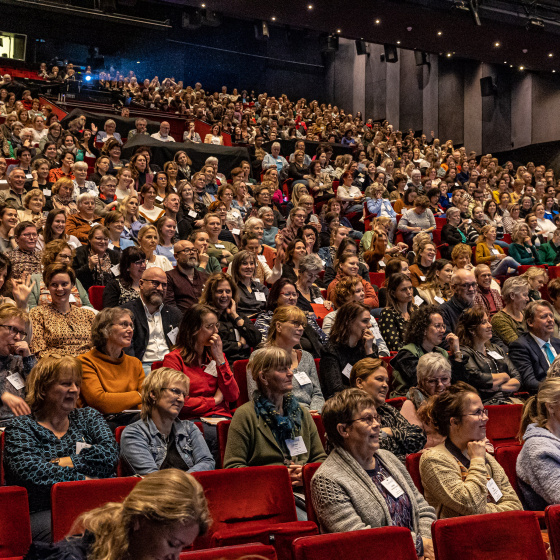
432,26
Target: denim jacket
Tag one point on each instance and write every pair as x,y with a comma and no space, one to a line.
144,449
375,205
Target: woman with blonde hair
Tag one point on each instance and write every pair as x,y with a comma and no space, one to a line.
537,278
33,203
63,196
159,440
148,239
133,222
490,253
162,515
539,461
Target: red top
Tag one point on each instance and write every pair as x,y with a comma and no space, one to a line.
203,387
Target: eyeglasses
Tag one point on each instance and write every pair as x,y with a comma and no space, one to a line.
290,295
175,391
187,250
29,235
126,325
368,419
212,326
140,262
480,413
296,323
435,381
467,286
156,283
14,330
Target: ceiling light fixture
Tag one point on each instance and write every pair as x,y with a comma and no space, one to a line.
522,68
310,6
439,33
273,18
550,55
398,42
497,44
377,21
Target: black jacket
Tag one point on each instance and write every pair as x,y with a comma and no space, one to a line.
89,277
229,340
170,318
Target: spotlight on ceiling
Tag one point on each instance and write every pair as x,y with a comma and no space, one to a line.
473,8
460,6
534,24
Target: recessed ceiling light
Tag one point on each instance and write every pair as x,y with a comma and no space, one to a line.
203,5
439,33
505,61
497,44
550,55
511,65
522,68
310,6
525,51
377,21
448,55
273,18
553,71
339,30
398,42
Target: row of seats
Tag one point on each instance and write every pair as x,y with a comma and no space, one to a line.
240,522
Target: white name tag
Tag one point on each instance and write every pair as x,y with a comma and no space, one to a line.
16,380
260,296
219,246
495,355
347,370
72,298
172,335
495,251
318,300
81,445
3,182
439,299
192,214
469,221
110,246
392,487
418,300
527,249
422,278
495,492
296,446
115,270
47,192
28,176
302,378
382,264
262,258
159,199
236,231
237,336
210,369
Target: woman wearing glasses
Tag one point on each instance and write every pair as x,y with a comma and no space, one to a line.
360,486
112,380
199,355
159,440
16,361
126,286
459,476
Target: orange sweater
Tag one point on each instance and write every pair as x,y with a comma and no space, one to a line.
110,385
371,297
483,254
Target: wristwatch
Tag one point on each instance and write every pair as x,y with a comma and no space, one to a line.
458,355
56,461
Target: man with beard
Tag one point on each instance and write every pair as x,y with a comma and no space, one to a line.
185,283
155,324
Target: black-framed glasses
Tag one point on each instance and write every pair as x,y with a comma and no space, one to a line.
156,283
175,391
368,419
140,262
186,250
14,330
481,413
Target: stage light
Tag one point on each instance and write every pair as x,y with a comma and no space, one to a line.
88,78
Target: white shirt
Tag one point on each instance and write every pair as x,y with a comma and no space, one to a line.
541,344
157,346
167,138
161,262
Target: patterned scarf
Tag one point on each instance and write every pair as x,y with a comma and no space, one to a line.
282,427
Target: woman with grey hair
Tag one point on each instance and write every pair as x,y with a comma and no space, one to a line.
309,268
509,323
80,224
81,185
112,381
109,129
270,231
159,440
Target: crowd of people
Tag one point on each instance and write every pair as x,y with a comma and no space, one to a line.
403,250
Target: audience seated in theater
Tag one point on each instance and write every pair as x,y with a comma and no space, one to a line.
523,250
55,228
199,355
489,369
274,425
148,239
350,341
491,254
397,435
159,440
463,287
417,219
25,258
436,288
59,327
455,232
41,448
537,278
509,323
535,350
455,473
347,490
425,257
433,374
252,294
425,334
79,225
486,295
34,203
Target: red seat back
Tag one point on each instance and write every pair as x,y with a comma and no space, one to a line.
506,455
376,278
240,374
440,222
386,542
307,474
70,499
413,468
247,551
157,364
2,481
552,518
320,428
317,365
396,402
222,429
95,294
15,528
246,497
503,423
511,535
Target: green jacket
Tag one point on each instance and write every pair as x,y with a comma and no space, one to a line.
250,442
549,254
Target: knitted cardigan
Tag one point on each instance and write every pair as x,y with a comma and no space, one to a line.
346,499
446,491
538,467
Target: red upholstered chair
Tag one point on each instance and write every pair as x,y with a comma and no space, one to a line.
157,364
503,423
506,455
122,468
320,428
15,529
376,278
2,481
95,294
386,542
307,474
552,517
440,222
222,429
240,373
413,468
317,365
252,504
396,402
525,267
511,535
70,499
231,552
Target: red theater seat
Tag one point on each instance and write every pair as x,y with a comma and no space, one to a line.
506,455
552,517
307,474
413,468
95,294
239,368
15,529
503,423
232,552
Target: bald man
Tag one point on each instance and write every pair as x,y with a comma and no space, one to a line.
155,324
163,134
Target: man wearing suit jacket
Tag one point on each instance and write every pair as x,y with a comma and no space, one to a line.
534,351
155,325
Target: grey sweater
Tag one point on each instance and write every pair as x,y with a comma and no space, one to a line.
309,395
538,468
346,499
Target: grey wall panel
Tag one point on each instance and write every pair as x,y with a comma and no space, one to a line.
359,100
472,106
496,111
430,96
376,94
393,88
451,100
410,109
545,108
521,118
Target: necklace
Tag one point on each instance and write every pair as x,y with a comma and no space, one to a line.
489,360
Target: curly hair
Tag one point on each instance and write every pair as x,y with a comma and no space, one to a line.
345,316
207,297
419,322
344,290
52,250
